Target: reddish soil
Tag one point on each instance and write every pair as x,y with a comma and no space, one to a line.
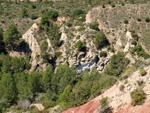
89,107
92,106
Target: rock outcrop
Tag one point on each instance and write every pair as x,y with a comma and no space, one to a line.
31,39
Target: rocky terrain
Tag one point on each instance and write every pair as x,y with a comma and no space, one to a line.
63,67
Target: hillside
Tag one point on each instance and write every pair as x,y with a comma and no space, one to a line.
63,57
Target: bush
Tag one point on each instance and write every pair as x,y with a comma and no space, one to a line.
135,36
78,12
134,42
121,87
58,54
108,48
113,5
126,21
80,46
78,37
117,64
44,46
69,24
94,26
95,90
24,13
139,20
103,6
81,94
52,14
138,97
140,51
147,19
143,72
103,54
107,81
82,28
101,40
33,16
104,104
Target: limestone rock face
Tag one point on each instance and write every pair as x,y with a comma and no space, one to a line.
30,38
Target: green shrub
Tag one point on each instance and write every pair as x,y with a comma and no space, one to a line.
139,20
81,94
143,72
52,14
78,37
24,13
94,26
135,36
138,97
103,6
33,6
103,54
122,4
104,104
58,54
134,42
121,88
33,16
113,5
69,24
78,12
95,89
147,19
82,28
108,48
140,51
117,64
132,1
126,21
107,81
80,46
101,40
44,46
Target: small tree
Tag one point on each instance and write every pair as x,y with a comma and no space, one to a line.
11,36
52,14
117,64
103,54
80,46
101,40
24,13
138,97
104,104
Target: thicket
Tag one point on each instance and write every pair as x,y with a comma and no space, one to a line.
101,40
80,46
138,50
117,64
